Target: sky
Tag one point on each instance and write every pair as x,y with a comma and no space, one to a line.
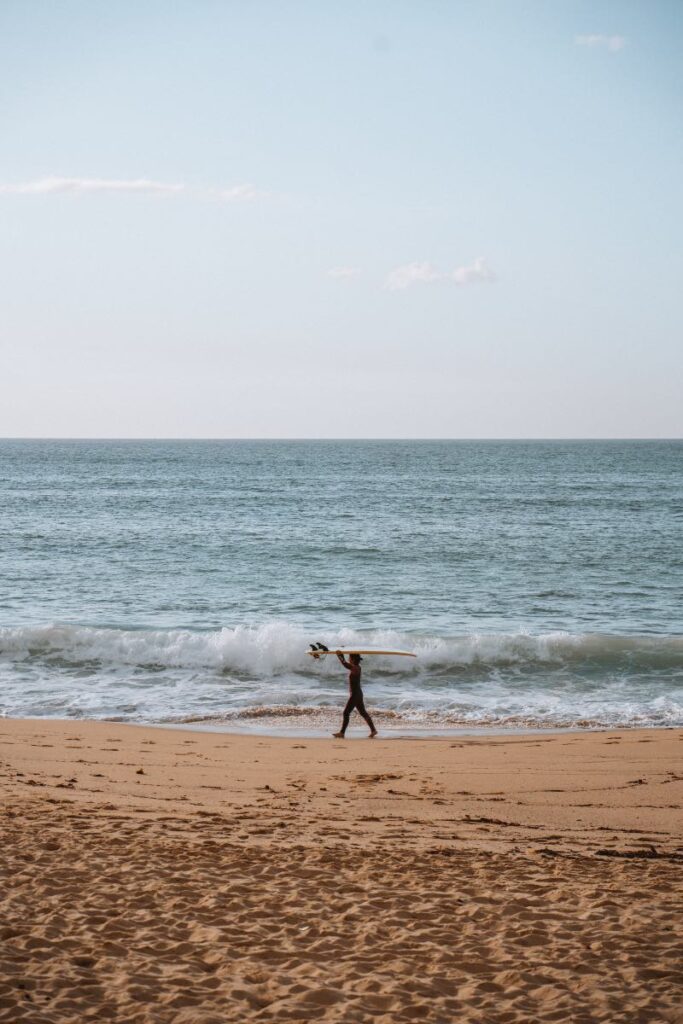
341,218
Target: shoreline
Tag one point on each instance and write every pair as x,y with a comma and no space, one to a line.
357,731
153,875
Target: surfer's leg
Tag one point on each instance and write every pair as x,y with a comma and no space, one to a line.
360,707
350,704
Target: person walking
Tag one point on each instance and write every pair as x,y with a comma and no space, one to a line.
355,696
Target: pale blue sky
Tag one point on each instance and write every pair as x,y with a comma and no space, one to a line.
341,219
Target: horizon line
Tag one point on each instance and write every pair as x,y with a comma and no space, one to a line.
85,437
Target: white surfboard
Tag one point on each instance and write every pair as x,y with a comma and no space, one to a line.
363,651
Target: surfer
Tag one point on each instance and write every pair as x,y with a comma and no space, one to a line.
355,696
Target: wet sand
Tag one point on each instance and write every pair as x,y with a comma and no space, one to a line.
152,876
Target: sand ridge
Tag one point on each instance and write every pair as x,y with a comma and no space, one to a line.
171,876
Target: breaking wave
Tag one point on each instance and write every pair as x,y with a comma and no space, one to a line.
259,676
278,648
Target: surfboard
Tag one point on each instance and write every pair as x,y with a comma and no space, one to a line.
363,651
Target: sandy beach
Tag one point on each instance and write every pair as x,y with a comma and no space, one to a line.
158,875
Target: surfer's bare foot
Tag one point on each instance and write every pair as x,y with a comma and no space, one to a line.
372,734
338,735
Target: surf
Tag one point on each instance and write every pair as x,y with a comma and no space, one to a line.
279,647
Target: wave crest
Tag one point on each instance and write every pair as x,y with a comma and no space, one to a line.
278,648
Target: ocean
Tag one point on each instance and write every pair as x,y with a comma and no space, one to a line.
171,582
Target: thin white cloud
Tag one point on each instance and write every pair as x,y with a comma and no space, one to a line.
611,43
341,273
425,273
410,274
80,186
50,186
477,272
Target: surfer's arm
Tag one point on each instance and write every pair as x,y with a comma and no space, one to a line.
341,658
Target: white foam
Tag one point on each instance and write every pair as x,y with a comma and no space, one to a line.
279,647
475,679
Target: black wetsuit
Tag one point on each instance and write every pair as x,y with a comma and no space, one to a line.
355,700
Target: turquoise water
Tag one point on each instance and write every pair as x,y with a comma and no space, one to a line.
539,582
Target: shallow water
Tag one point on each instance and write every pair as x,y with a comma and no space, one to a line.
538,582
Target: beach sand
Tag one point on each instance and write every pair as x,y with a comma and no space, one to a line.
152,876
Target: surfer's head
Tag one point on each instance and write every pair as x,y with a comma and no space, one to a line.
355,659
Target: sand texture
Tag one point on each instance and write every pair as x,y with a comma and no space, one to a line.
151,876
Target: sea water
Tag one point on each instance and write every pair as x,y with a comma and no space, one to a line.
539,583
